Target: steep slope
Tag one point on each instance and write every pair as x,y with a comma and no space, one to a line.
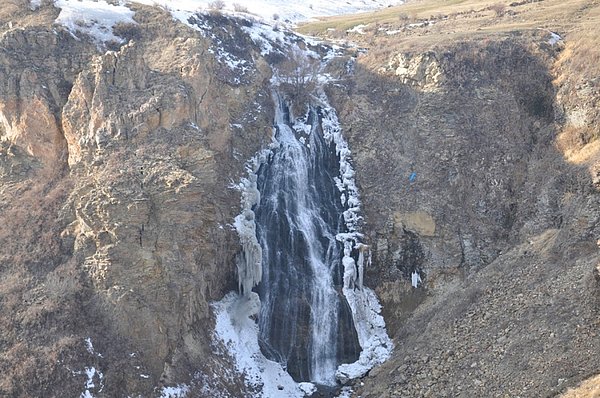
479,172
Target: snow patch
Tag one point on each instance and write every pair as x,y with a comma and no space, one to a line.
178,391
308,388
94,18
92,373
90,347
360,29
239,333
276,10
415,279
554,38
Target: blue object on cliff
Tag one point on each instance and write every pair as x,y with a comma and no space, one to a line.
413,177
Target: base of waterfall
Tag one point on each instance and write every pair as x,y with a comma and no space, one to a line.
237,330
373,339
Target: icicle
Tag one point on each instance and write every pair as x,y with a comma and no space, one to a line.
249,263
362,250
349,266
416,279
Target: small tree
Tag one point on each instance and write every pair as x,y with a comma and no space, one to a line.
298,75
239,8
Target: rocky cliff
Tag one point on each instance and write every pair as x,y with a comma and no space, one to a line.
117,202
476,159
479,172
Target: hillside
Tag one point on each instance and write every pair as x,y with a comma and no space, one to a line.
495,108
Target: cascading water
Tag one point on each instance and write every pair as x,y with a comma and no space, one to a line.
305,322
300,268
301,251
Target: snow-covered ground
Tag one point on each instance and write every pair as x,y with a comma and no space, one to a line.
239,333
293,11
97,17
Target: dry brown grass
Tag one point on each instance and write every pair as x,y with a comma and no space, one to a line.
576,58
461,19
588,389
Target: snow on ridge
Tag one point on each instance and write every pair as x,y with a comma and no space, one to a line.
98,17
272,10
94,18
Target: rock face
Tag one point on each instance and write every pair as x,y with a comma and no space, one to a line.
463,183
125,158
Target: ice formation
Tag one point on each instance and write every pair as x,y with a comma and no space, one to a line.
249,262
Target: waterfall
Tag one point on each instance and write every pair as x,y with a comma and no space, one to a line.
301,267
305,322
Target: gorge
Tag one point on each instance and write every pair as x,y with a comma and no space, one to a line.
204,203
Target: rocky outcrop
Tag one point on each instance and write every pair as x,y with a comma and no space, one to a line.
132,152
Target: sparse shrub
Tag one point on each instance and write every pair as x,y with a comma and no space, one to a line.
498,8
240,8
216,5
298,74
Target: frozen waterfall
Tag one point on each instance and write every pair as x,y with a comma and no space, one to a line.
305,322
301,265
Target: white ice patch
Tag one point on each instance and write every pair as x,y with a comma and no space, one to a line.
308,388
301,127
94,18
372,336
415,279
178,391
35,4
239,333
